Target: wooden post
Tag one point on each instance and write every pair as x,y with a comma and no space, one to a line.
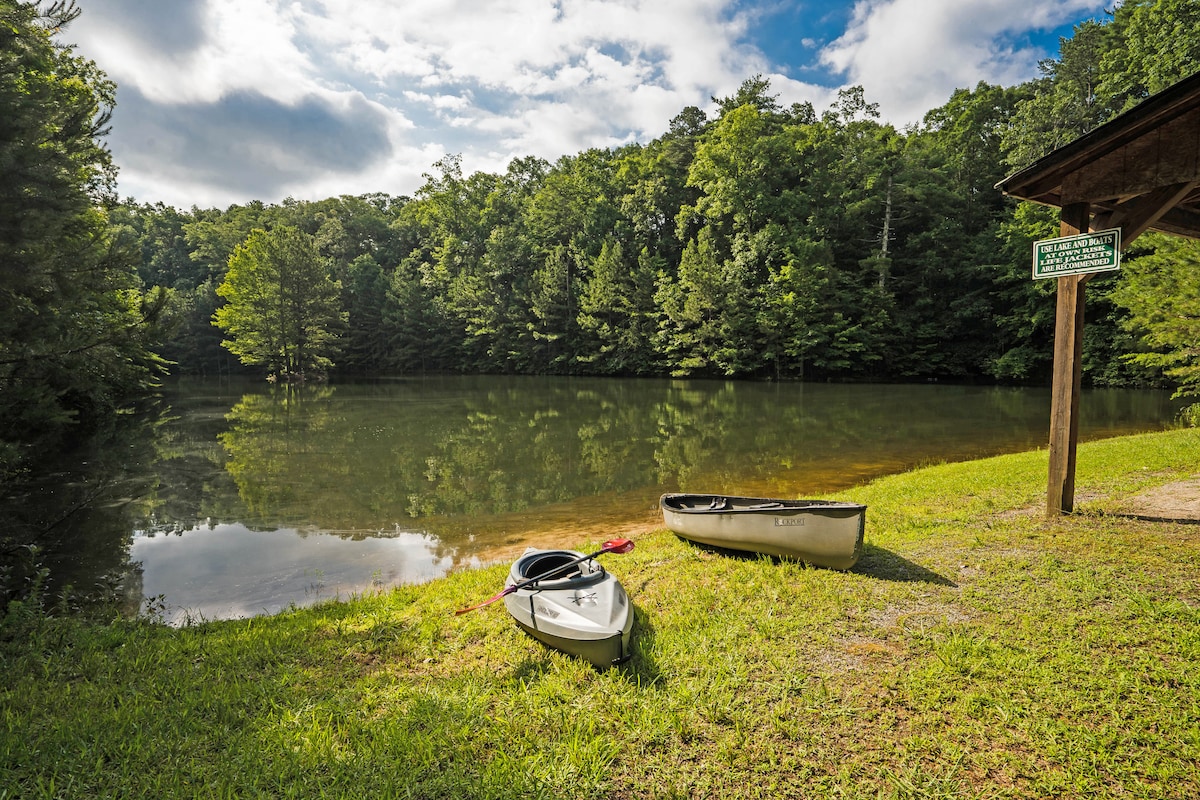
1068,369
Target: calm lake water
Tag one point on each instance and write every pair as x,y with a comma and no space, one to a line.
245,498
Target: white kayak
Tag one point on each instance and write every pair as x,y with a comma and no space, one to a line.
579,608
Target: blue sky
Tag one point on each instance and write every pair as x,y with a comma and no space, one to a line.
227,101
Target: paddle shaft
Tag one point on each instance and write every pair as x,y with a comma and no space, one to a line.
615,546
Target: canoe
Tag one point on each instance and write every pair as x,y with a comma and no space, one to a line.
582,610
823,533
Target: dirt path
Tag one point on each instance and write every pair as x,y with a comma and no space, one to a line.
1176,502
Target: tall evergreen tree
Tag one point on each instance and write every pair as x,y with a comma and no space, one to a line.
75,327
1161,290
1151,44
617,313
1064,104
947,267
364,299
574,212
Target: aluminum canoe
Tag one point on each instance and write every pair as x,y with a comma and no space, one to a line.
824,533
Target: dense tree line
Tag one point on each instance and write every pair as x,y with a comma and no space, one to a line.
762,242
756,241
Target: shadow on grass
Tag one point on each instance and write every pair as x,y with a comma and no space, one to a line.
875,562
886,565
641,668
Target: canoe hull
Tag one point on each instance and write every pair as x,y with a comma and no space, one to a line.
585,612
818,532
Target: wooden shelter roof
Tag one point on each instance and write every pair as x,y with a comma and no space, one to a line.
1139,171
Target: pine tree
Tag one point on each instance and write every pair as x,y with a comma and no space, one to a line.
75,329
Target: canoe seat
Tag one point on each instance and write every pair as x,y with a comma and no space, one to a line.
772,504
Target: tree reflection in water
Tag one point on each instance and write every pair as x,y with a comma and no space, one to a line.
475,467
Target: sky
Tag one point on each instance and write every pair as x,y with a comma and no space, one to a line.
222,102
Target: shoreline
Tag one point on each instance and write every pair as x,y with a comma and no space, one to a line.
978,649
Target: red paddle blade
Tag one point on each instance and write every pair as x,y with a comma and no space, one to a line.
488,602
618,545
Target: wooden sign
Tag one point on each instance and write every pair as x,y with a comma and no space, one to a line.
1073,255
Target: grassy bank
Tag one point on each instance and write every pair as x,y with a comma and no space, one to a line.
977,650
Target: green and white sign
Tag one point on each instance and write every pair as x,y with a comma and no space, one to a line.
1073,255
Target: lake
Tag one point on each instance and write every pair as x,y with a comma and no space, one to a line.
243,498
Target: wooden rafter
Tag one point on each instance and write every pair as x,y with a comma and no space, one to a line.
1138,172
1143,166
1137,215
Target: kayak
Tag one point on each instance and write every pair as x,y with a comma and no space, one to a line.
823,533
579,608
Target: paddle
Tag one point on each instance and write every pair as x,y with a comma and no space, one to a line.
612,546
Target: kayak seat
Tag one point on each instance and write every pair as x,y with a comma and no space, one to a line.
545,565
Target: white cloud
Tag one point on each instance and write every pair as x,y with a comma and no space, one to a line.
910,55
440,103
494,82
225,101
242,45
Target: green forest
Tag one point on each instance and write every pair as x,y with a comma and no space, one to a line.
751,241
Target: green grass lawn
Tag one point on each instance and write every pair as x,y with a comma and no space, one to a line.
977,650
